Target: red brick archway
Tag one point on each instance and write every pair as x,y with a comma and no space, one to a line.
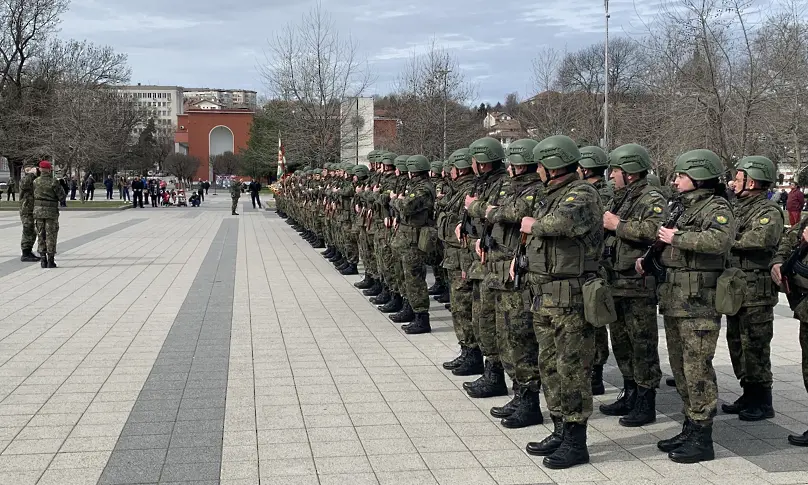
194,133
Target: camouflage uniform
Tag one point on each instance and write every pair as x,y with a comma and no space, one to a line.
760,225
27,212
235,194
606,193
47,194
694,261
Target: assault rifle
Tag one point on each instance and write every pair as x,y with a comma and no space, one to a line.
794,266
466,227
520,264
650,260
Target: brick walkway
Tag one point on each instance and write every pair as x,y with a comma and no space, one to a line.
189,346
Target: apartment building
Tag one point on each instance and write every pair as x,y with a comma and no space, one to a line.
163,103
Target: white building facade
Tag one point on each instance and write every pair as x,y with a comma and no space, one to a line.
229,98
357,130
163,103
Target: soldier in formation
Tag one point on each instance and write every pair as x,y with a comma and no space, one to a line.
541,251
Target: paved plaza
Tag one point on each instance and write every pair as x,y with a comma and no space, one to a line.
182,345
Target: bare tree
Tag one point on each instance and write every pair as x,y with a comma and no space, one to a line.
314,69
182,166
228,163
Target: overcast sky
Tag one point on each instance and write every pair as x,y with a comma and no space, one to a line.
219,44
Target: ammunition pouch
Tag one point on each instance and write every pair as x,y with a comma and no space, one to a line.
427,239
730,291
599,307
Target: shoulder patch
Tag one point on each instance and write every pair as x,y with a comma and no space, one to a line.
501,192
657,209
721,219
570,198
764,220
412,195
529,197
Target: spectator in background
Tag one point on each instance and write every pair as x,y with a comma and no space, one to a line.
255,190
63,183
74,186
109,184
794,204
783,198
125,188
90,187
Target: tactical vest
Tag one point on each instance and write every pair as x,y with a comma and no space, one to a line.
507,235
703,268
757,260
491,192
559,257
449,218
423,217
624,253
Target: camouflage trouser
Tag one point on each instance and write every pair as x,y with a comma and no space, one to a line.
804,347
635,340
350,242
691,348
749,338
384,257
601,346
28,232
460,293
366,253
516,340
414,284
566,350
47,231
233,204
483,318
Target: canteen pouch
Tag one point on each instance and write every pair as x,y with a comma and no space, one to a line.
427,239
598,303
730,291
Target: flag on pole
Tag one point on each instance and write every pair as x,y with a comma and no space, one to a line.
281,158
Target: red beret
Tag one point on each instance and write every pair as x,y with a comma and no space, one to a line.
45,164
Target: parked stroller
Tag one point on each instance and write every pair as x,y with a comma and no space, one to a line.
181,200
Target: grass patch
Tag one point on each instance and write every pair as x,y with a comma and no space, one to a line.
73,204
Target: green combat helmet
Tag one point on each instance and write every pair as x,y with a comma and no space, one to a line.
361,171
653,180
372,156
401,163
630,158
520,152
436,166
758,168
447,165
487,150
388,158
593,157
418,163
461,158
699,164
557,151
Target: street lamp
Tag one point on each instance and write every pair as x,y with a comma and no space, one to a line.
445,74
606,82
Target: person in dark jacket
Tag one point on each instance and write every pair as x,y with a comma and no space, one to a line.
90,187
109,184
255,189
137,192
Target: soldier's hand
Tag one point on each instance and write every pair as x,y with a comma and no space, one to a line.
356,208
527,225
776,276
469,201
805,234
477,248
358,190
489,209
638,266
610,221
376,189
512,271
387,222
457,232
666,235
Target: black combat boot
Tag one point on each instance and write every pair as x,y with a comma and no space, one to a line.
375,289
509,407
328,252
760,406
28,256
43,261
365,283
394,304
335,257
349,270
455,363
625,401
472,366
527,414
697,447
382,298
798,439
670,381
671,444
339,262
51,262
318,243
448,306
491,384
551,443
741,403
341,266
444,297
644,411
435,289
597,381
419,325
573,449
405,315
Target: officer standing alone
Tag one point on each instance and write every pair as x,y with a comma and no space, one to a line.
47,194
235,194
